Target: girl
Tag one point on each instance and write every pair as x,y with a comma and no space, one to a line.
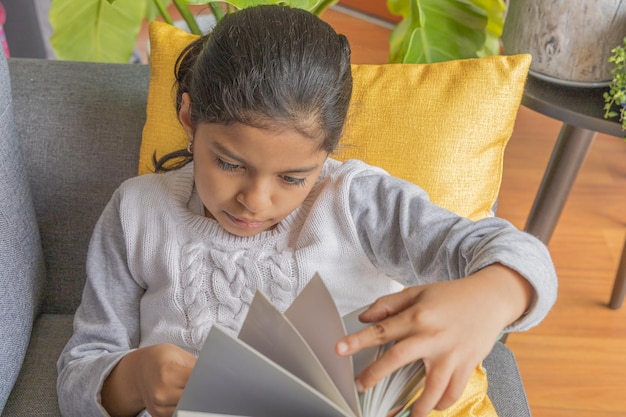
255,202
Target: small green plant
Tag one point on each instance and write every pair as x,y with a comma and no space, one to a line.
615,98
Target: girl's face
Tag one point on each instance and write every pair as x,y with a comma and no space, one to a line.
249,179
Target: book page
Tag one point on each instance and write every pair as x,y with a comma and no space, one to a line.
366,356
271,370
314,314
232,379
269,332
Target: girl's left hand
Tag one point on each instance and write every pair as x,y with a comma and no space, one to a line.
452,326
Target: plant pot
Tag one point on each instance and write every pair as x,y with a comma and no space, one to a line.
569,40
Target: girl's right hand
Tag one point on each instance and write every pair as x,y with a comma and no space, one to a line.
151,378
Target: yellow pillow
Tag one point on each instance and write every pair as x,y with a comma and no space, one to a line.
442,126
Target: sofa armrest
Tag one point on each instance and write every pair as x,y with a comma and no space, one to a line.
506,390
21,259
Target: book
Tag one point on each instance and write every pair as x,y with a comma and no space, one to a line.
285,365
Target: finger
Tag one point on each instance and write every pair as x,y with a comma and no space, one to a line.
165,397
393,328
161,411
456,387
390,305
398,355
437,381
163,402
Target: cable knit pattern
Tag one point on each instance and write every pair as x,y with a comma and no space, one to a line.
217,285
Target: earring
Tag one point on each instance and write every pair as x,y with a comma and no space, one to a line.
190,147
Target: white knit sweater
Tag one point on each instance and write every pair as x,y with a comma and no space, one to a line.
161,272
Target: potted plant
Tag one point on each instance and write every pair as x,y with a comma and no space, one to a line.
615,98
431,30
107,30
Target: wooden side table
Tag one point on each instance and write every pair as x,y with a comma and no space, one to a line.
581,111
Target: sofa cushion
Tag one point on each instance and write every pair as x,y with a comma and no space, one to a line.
21,259
443,126
35,391
505,387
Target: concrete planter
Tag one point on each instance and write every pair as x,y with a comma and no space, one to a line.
569,40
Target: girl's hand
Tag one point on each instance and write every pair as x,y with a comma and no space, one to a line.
152,378
450,325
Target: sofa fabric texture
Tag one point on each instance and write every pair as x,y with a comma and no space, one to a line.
79,127
21,258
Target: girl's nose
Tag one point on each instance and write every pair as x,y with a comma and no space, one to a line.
256,197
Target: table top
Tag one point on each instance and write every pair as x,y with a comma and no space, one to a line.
577,106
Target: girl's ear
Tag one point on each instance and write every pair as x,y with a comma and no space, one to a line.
184,115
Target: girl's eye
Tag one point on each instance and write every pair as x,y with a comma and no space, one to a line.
294,181
225,166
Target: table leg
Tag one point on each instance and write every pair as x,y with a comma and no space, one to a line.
619,286
567,158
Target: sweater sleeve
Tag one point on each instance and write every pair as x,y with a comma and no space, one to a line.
418,242
106,324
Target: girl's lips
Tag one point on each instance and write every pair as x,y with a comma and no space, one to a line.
245,223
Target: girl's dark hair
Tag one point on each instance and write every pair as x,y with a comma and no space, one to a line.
267,67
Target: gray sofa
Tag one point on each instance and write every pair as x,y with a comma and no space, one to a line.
71,137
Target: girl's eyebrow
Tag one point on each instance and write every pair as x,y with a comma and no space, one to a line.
222,150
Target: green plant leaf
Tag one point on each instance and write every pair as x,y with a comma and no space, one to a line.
154,8
399,7
95,30
495,24
322,6
615,97
188,17
438,30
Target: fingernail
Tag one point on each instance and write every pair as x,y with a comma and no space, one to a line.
342,348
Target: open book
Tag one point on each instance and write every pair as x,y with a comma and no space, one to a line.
285,365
